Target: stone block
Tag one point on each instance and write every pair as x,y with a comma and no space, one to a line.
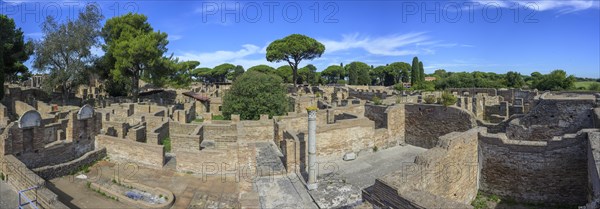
349,156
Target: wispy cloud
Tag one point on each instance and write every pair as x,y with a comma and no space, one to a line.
247,56
391,45
175,37
561,6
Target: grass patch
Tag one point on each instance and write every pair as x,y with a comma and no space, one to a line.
1,176
167,143
218,117
375,149
198,120
481,201
587,85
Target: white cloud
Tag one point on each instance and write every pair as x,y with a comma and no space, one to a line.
563,6
239,57
392,45
175,37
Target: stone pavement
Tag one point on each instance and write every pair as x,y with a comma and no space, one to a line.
8,197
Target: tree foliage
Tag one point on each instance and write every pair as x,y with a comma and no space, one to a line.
66,50
333,73
293,49
514,80
415,72
448,99
14,51
255,93
557,80
262,68
136,50
358,73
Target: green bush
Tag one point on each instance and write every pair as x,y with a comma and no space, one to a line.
594,87
430,99
377,101
375,149
399,87
218,117
341,82
448,99
254,93
167,143
1,176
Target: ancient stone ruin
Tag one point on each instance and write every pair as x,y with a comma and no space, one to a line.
527,146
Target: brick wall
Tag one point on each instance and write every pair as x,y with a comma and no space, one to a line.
425,123
130,151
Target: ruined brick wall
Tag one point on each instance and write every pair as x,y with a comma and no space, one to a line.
20,178
158,133
207,162
425,123
132,152
220,132
396,124
535,171
63,169
182,128
137,133
442,177
596,118
187,142
344,136
22,107
474,91
552,118
593,162
376,113
257,131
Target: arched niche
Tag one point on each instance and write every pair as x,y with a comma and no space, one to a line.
85,112
29,119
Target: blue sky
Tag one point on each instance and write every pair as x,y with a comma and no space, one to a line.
492,36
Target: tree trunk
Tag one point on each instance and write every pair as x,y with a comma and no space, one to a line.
135,87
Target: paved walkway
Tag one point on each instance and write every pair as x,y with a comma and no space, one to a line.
369,166
8,197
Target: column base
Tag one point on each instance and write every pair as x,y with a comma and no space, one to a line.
312,186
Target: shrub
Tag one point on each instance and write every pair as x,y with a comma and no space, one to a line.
1,176
448,99
399,87
167,143
218,117
375,149
377,101
594,87
430,99
254,93
341,82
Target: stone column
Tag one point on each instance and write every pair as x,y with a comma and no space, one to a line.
312,149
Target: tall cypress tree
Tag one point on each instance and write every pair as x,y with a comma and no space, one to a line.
415,72
421,72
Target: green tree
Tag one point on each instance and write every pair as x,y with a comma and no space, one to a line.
14,51
557,80
333,73
262,69
400,72
293,49
204,74
594,87
221,71
307,74
255,93
135,48
415,72
175,73
285,72
358,73
237,71
65,52
514,80
421,72
378,75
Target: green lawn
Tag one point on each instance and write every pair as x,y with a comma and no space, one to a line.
584,84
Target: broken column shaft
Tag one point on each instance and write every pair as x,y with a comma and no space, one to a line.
312,149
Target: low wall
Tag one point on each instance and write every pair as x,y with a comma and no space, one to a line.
156,135
344,136
425,123
593,156
207,162
50,172
376,113
258,131
20,178
445,176
535,171
131,151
